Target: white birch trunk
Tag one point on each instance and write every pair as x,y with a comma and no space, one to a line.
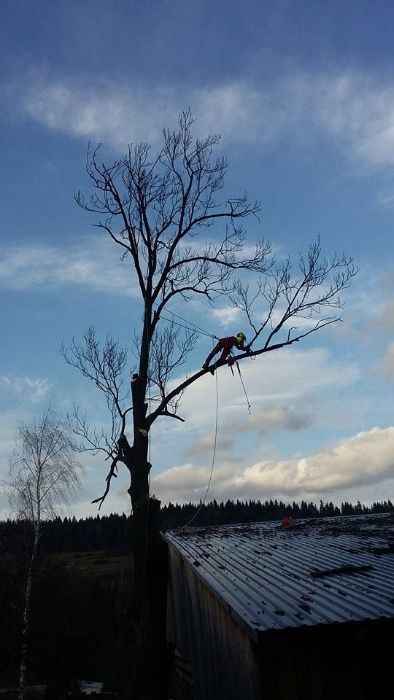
26,614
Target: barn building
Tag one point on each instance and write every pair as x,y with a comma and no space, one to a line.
266,612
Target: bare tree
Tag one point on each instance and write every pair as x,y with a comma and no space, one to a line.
43,475
182,242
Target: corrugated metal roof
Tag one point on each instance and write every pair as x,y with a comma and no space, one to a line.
320,571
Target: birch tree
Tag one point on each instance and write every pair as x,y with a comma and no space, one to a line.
43,475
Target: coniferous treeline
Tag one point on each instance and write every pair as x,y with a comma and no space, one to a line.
114,532
214,513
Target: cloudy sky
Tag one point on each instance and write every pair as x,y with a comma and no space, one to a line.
302,94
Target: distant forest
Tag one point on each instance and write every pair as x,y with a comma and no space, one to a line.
114,532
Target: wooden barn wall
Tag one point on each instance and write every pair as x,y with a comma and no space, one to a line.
350,661
200,627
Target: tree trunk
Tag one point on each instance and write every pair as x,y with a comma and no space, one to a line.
149,551
26,614
135,458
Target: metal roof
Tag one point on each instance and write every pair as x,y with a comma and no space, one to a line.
319,571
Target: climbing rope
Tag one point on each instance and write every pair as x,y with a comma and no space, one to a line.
213,458
192,326
244,388
189,325
148,504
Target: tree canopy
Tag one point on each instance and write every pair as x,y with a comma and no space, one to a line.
183,239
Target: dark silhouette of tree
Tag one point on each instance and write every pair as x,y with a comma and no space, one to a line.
158,209
183,240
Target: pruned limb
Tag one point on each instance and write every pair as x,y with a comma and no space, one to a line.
108,478
172,415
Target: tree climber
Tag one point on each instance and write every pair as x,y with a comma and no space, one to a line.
226,345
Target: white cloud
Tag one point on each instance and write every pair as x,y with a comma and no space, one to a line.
261,422
280,416
94,264
207,443
185,483
290,391
226,316
114,113
355,111
34,390
365,458
84,265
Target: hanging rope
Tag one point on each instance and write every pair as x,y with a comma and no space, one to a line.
148,504
213,458
243,385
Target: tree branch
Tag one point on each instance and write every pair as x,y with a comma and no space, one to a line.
111,474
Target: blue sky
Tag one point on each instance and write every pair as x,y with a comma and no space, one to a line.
303,96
